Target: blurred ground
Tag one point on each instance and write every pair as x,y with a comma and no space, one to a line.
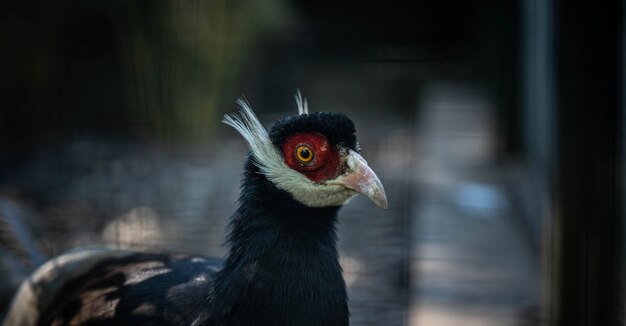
471,261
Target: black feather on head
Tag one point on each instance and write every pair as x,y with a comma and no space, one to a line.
338,129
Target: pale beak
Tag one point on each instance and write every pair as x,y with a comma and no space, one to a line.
363,180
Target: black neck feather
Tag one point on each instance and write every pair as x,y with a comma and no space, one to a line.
282,268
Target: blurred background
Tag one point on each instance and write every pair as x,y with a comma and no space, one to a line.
495,126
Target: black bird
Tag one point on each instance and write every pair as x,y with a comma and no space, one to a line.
282,267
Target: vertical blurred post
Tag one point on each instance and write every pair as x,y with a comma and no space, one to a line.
538,88
539,123
588,118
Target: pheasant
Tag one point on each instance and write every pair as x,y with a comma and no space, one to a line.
282,266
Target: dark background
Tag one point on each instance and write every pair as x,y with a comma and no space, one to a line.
495,126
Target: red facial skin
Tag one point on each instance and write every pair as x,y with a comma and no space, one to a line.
325,164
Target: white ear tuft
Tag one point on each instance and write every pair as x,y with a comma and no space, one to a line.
303,106
266,156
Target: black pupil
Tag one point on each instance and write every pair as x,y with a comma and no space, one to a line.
305,153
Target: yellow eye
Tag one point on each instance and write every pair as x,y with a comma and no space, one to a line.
304,154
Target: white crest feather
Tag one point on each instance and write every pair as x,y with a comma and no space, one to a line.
269,159
266,155
303,106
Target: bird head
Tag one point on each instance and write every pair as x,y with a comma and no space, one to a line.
314,157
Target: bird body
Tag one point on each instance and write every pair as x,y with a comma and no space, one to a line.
282,267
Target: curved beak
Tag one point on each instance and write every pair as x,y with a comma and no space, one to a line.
363,180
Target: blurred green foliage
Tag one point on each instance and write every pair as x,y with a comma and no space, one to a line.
159,68
182,58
